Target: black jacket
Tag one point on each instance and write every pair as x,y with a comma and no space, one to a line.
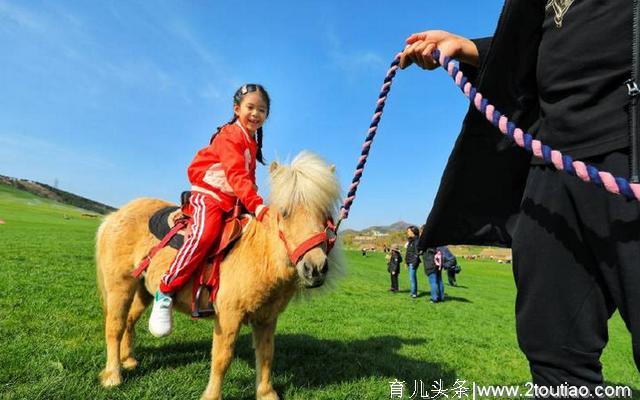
482,186
429,261
412,255
393,266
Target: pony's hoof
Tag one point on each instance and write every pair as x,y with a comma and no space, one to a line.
109,379
129,363
207,397
271,395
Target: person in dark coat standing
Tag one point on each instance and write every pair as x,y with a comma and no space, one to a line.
412,258
433,270
563,71
393,266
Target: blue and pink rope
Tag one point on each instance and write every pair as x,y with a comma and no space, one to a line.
561,162
373,128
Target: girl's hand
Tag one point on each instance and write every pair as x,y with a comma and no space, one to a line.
421,45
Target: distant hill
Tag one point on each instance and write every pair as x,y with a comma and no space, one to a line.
375,237
399,226
396,226
48,192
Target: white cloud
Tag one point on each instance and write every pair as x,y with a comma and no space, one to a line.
20,16
215,65
67,45
210,92
351,61
40,153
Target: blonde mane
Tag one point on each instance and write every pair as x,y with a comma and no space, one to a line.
308,182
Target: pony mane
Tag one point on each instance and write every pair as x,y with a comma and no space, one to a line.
308,182
311,183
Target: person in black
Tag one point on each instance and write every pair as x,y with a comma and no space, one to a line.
433,271
449,264
451,277
412,258
393,266
559,69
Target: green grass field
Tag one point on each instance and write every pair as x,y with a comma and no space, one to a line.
348,344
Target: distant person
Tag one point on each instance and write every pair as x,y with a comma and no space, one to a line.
449,264
220,174
364,252
412,258
433,270
394,261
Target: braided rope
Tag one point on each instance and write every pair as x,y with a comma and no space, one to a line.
373,128
561,162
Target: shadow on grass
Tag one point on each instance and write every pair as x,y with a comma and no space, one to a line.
307,361
458,287
455,298
420,293
447,296
318,362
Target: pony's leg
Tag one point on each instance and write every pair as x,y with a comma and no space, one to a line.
118,302
224,339
263,335
140,302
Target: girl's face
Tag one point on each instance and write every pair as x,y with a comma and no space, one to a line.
252,111
410,233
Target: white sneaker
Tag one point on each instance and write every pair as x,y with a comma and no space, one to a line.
160,321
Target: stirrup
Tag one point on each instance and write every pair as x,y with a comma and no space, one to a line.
208,311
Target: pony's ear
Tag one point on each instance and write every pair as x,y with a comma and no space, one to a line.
332,168
273,166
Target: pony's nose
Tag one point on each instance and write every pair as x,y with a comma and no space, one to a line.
313,272
325,267
309,271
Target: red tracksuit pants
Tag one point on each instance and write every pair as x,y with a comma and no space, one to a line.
207,222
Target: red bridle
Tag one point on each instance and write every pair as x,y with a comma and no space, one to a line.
326,238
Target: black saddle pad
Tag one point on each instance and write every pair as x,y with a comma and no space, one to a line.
159,226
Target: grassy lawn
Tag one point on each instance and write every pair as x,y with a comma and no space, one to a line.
348,344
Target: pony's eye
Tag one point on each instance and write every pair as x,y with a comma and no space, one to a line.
284,213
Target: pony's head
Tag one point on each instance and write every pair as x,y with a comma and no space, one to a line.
305,196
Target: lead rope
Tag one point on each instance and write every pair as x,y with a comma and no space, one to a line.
373,128
562,162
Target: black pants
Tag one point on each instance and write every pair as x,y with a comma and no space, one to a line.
451,274
394,282
576,254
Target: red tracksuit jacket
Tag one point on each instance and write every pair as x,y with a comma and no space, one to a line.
226,169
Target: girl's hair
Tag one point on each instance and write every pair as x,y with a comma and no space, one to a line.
415,230
237,99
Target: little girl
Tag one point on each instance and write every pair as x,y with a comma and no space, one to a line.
219,174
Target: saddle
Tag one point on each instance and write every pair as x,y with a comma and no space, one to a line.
171,224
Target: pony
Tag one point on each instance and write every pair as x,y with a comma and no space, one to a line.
258,277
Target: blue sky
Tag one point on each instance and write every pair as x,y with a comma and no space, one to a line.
112,99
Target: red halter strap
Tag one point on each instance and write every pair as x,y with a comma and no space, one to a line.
327,238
